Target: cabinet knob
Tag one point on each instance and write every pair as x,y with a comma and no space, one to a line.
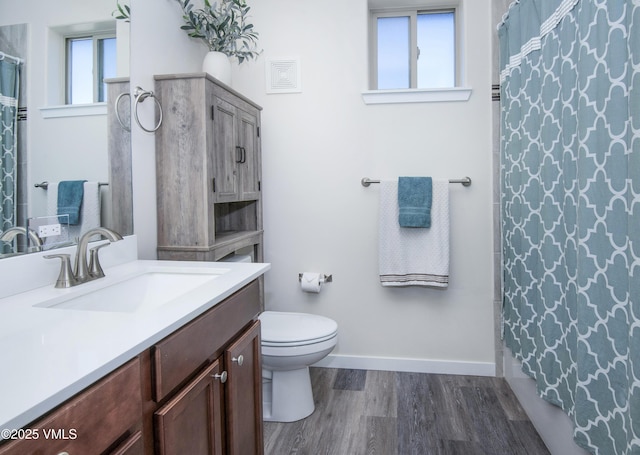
239,360
222,376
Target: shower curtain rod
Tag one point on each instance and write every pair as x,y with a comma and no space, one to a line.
17,60
466,181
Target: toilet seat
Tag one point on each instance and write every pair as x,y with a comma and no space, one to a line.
284,329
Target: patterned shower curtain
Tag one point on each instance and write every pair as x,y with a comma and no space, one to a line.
9,82
570,149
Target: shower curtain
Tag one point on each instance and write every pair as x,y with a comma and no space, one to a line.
570,177
9,86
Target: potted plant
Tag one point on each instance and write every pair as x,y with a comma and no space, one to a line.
225,31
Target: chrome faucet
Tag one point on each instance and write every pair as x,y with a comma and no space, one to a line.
12,232
80,269
83,271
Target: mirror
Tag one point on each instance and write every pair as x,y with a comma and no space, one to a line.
56,141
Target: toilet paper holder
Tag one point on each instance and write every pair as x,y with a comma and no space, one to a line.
325,278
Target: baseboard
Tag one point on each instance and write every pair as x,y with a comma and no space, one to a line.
408,365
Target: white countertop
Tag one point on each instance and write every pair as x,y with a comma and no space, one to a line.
48,355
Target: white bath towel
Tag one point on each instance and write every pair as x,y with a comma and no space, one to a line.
89,211
414,256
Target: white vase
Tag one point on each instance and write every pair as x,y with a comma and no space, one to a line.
218,65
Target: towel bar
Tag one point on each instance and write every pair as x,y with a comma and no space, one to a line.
466,181
45,185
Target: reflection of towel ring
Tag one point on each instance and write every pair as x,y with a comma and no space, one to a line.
116,106
142,95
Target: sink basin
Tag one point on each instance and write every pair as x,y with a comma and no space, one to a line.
141,292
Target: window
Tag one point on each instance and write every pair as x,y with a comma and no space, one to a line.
90,60
413,49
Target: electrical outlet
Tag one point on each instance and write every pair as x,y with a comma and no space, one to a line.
49,230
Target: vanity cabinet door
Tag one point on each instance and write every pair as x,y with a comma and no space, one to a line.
192,421
244,394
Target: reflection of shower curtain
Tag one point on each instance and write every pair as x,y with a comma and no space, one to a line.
9,82
570,88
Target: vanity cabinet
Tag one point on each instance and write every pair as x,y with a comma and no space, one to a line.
196,391
208,167
106,418
208,382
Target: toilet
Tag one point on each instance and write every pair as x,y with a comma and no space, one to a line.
291,342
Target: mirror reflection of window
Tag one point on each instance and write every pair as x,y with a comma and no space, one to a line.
107,55
90,60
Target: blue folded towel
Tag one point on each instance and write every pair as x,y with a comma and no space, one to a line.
414,201
70,196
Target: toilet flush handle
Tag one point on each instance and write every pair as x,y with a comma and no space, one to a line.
239,360
222,377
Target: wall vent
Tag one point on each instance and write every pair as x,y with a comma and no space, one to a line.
283,76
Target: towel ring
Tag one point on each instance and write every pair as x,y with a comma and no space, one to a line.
116,106
142,95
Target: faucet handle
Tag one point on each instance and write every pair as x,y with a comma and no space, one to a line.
95,269
66,279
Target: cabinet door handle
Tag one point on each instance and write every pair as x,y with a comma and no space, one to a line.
222,376
238,154
239,360
244,155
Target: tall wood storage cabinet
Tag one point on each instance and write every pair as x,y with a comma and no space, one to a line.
208,161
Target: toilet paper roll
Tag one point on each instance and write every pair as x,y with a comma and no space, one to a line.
311,282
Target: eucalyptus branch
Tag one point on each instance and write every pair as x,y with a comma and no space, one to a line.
222,28
122,13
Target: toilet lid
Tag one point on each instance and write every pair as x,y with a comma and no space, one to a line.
283,327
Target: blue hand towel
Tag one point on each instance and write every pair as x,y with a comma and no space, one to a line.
70,196
414,201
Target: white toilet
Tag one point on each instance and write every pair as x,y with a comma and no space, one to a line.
291,342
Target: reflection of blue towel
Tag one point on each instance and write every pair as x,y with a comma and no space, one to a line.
70,195
414,201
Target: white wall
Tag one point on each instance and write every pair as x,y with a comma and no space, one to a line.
60,148
317,145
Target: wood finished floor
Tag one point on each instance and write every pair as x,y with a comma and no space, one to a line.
362,412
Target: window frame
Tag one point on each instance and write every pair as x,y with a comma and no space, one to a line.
97,69
413,12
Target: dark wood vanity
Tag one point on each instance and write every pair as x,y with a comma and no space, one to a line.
197,391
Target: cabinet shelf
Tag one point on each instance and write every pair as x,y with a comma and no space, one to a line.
226,243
